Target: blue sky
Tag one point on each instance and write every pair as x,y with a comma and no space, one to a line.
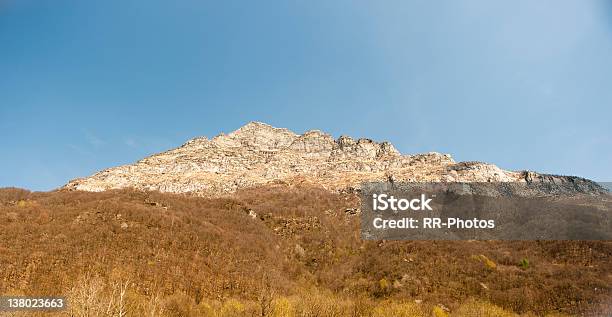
86,85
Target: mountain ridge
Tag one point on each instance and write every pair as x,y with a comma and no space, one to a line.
258,154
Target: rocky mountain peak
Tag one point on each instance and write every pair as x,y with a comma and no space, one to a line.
258,153
258,135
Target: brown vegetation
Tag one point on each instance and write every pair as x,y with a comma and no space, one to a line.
274,251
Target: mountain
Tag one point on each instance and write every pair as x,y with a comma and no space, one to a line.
295,251
258,154
281,250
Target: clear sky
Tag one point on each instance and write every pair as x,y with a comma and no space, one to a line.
86,85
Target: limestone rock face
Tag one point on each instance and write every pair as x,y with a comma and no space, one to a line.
258,154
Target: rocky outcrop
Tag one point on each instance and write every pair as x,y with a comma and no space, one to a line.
258,153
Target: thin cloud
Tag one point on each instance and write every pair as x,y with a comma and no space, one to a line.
130,142
94,140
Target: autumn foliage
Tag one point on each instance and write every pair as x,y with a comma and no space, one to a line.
273,251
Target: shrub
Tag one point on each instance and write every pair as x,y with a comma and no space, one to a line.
524,264
231,308
178,305
439,312
399,310
282,307
486,261
481,309
384,285
315,303
205,310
